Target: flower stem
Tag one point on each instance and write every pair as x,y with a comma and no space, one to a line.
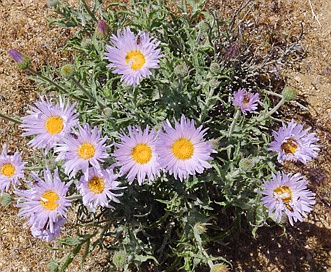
10,118
74,197
55,84
89,11
83,89
234,121
272,111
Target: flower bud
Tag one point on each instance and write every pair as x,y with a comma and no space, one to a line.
203,26
214,67
102,28
107,112
289,93
120,258
23,62
246,164
221,267
200,228
67,70
181,69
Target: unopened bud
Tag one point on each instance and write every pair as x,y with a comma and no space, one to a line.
181,69
214,67
67,70
246,164
23,62
102,28
221,267
120,258
203,26
200,228
107,112
289,93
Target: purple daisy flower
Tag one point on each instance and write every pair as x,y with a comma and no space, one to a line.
247,102
136,154
44,233
287,194
182,149
96,189
294,143
45,202
81,149
11,169
132,56
49,122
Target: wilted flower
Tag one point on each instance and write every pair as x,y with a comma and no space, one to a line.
96,189
294,143
132,56
45,202
23,62
246,101
136,154
11,169
81,149
182,149
49,122
44,233
287,194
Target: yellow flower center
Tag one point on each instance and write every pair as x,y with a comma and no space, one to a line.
136,58
246,100
8,170
54,125
86,151
285,193
183,149
48,200
290,146
96,185
142,153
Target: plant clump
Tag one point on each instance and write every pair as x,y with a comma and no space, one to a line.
157,128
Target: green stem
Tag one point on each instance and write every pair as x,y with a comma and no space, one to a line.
83,89
55,84
89,11
234,121
74,197
272,111
10,118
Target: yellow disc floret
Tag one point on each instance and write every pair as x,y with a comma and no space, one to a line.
136,58
182,149
54,125
142,153
96,185
48,200
290,146
284,192
86,151
8,170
